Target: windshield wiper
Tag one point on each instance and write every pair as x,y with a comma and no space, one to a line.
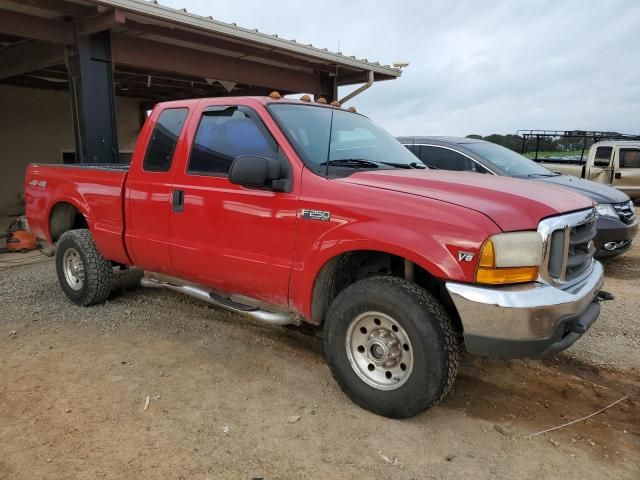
364,163
537,175
416,165
352,162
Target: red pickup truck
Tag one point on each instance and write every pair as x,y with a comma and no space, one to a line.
291,211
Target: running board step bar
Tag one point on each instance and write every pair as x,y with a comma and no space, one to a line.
273,318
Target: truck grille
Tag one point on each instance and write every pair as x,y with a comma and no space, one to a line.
569,247
626,211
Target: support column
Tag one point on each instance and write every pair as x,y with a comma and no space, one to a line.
93,99
327,87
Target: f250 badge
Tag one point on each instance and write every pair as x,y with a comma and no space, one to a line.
465,256
321,215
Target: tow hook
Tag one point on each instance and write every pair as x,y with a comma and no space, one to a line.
576,327
604,296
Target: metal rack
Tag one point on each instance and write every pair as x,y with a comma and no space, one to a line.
596,136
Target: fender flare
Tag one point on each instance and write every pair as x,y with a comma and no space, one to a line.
80,206
433,256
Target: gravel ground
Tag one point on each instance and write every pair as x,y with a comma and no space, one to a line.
231,399
614,340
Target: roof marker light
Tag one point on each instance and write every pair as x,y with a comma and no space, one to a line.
352,109
336,103
275,95
321,100
305,98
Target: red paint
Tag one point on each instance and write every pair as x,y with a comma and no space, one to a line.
254,243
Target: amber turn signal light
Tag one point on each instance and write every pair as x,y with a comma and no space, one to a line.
488,273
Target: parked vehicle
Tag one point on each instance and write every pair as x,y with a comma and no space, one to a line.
292,212
613,162
611,158
617,222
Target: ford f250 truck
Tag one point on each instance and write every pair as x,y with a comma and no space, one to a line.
294,212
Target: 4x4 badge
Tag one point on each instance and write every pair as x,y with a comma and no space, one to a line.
465,256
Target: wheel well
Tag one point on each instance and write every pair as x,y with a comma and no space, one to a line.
65,217
347,268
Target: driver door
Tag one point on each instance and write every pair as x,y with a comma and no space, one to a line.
234,239
602,169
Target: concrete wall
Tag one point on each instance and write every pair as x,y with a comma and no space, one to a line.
36,126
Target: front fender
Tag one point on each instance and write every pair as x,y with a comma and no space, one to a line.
433,245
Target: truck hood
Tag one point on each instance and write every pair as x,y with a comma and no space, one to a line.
513,204
597,192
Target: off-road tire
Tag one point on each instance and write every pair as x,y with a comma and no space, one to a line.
436,348
98,271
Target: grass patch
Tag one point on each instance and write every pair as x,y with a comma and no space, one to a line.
569,153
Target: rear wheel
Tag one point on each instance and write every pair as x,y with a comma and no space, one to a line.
85,276
391,346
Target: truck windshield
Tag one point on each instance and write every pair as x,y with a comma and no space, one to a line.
350,141
514,164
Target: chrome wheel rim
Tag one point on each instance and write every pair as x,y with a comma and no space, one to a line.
379,350
73,268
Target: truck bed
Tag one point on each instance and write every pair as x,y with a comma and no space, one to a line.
96,191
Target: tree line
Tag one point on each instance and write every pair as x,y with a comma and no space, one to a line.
546,144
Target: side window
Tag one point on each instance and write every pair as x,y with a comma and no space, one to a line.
445,159
413,149
225,133
629,158
603,156
164,138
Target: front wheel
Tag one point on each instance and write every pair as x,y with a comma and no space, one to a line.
391,346
85,276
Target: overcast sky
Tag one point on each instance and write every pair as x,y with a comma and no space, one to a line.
476,66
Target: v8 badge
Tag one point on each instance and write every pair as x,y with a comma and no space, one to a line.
465,256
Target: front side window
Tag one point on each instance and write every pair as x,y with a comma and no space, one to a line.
225,133
341,138
629,158
164,139
445,159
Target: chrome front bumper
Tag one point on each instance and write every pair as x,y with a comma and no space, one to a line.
526,320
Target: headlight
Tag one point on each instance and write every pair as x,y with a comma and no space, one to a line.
510,258
606,210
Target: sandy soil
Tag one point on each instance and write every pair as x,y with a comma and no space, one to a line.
229,399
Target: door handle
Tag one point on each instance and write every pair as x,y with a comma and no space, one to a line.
177,201
618,175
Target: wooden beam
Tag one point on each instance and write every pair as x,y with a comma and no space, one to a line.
29,56
156,56
58,6
242,49
106,21
36,28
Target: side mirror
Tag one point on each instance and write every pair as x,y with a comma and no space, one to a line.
601,163
256,172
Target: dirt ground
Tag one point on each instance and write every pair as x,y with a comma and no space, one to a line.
230,399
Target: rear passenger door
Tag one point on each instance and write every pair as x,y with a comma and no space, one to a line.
149,185
235,239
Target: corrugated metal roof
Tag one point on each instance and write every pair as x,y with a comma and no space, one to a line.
208,24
